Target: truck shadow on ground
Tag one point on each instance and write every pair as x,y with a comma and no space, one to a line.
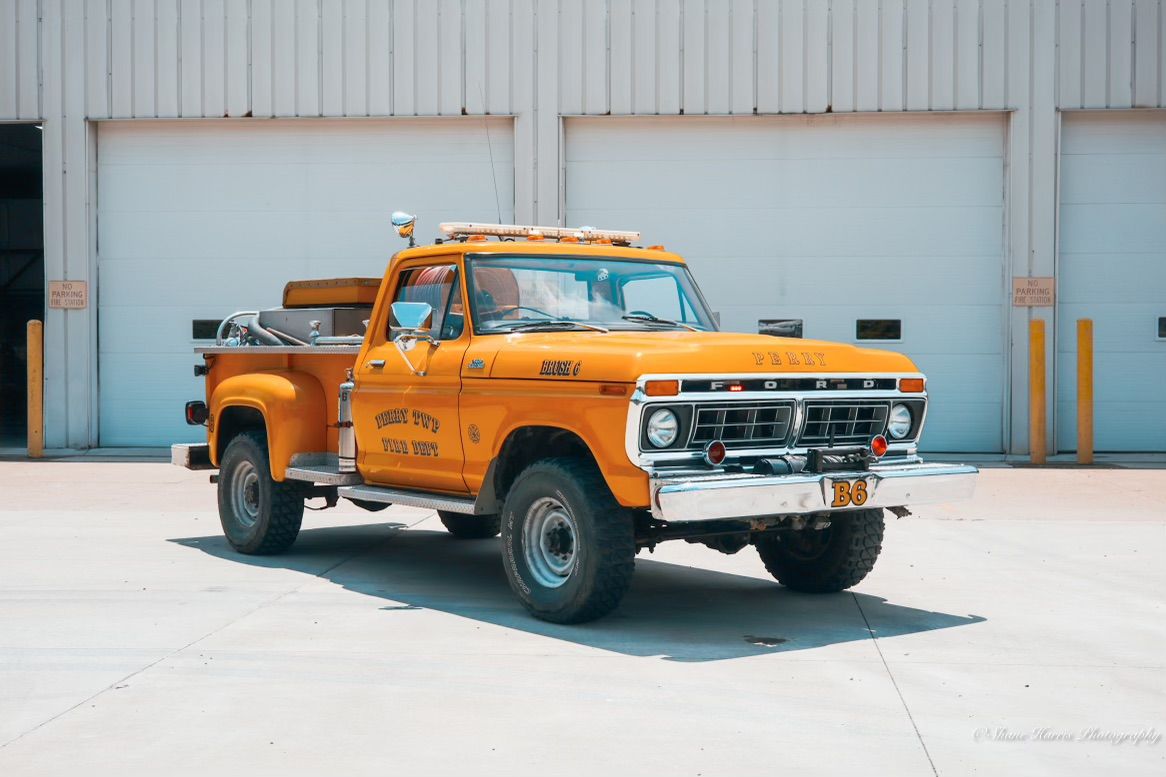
672,611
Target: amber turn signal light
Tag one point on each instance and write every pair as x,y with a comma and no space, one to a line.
911,385
612,390
662,388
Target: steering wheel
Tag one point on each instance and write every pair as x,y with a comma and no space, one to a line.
643,313
513,308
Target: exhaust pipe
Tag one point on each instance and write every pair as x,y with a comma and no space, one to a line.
257,331
347,434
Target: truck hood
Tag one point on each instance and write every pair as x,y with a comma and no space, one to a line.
625,356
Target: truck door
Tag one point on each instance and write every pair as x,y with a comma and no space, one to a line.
405,406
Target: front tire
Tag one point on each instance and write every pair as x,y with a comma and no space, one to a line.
825,560
259,516
470,527
568,547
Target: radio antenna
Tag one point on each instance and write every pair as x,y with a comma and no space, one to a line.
490,147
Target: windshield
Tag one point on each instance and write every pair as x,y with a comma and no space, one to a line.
526,293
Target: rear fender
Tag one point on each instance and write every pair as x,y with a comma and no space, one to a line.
294,410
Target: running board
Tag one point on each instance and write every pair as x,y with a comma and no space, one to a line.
322,467
452,504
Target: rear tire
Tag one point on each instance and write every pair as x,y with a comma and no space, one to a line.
259,516
825,560
568,547
471,527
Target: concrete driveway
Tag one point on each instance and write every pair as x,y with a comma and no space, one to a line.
1021,633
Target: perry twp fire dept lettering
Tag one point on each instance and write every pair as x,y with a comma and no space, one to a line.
392,416
560,368
399,447
410,447
402,415
426,421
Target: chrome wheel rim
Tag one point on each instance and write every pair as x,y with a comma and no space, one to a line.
245,493
550,542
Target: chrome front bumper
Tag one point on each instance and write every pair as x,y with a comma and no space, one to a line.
693,498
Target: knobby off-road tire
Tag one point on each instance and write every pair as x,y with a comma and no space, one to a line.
259,515
567,545
825,560
471,527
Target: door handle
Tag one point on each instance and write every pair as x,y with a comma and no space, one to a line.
376,364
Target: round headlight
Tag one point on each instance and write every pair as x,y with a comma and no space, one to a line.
899,424
663,426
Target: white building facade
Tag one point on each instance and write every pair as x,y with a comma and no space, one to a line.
878,170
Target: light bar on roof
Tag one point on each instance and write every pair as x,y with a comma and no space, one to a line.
464,229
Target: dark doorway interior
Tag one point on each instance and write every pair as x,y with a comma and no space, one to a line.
22,268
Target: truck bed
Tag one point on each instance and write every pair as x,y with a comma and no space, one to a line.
326,363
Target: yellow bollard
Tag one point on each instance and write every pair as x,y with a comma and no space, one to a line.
1036,392
1084,391
36,384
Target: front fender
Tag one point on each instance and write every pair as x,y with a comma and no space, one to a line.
293,406
492,409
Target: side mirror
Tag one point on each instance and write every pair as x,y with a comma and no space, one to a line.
411,322
403,223
412,315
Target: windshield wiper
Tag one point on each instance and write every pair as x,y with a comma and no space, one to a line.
551,325
648,318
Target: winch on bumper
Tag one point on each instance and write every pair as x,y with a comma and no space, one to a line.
728,495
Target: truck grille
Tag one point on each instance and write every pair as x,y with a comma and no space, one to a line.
742,424
843,422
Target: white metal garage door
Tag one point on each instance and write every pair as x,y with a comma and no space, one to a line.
1113,269
199,219
831,220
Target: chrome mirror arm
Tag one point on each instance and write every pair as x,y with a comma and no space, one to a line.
406,341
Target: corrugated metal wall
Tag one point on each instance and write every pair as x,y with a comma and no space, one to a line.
215,58
69,61
1109,54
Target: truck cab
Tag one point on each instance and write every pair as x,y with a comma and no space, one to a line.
571,391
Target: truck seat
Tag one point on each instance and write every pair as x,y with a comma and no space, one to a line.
495,292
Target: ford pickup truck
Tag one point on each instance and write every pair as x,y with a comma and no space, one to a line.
570,390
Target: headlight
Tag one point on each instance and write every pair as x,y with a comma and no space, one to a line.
663,426
899,424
